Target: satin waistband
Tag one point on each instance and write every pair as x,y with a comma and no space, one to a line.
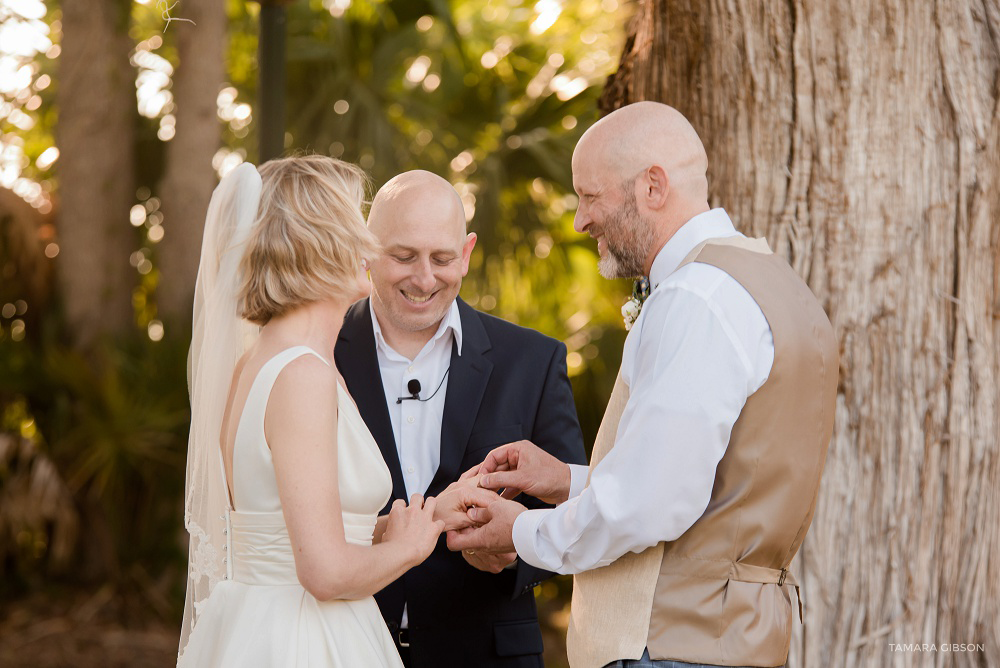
261,552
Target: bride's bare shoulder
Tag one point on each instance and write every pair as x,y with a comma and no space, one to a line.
302,406
306,380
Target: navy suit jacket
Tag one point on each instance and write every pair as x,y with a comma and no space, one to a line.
508,384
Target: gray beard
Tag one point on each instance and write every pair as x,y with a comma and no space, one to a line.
627,258
620,263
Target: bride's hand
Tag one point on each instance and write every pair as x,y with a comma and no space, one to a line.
414,527
453,503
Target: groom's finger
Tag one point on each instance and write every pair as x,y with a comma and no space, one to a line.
471,473
465,540
497,458
512,482
479,515
461,539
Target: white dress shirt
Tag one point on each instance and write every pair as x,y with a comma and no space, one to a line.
699,348
416,425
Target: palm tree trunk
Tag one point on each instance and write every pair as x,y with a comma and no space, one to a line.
190,178
95,133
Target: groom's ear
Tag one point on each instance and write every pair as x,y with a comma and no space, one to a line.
655,187
470,243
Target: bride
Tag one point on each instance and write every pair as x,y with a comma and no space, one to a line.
286,546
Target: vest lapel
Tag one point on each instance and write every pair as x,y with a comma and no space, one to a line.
467,379
358,363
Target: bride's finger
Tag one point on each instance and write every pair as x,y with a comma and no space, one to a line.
459,523
478,497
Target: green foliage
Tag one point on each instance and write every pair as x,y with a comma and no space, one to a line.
27,117
114,424
483,92
468,90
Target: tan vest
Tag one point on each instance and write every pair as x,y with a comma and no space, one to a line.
720,594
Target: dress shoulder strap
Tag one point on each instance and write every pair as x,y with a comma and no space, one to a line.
260,390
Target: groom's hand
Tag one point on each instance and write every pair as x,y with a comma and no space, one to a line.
456,502
491,563
491,530
524,467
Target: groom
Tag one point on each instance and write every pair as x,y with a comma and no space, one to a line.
440,385
707,465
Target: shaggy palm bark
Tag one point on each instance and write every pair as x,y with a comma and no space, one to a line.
863,140
97,111
190,177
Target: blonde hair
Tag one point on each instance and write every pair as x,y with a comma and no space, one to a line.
309,238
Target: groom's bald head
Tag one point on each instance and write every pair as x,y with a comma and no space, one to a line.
641,174
643,134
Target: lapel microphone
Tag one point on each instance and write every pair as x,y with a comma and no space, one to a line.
413,387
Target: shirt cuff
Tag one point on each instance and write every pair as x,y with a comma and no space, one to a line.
577,479
523,534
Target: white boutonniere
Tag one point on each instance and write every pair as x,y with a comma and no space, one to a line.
632,308
630,311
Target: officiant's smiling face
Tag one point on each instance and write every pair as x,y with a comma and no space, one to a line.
420,221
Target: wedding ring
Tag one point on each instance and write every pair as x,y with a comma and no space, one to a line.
470,552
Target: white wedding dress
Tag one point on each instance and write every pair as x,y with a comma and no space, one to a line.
260,615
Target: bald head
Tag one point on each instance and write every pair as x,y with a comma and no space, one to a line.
641,174
416,189
631,139
420,221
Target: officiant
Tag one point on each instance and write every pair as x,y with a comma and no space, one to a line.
440,385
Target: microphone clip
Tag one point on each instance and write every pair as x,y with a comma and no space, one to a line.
413,387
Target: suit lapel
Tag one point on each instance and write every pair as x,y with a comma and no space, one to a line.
358,363
470,372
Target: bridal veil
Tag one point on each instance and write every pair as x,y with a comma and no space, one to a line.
219,338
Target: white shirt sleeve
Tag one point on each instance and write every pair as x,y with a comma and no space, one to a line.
577,478
700,352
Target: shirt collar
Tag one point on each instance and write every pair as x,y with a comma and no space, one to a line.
452,321
712,224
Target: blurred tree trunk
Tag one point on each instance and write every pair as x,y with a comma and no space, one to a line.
190,178
97,109
25,272
863,140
